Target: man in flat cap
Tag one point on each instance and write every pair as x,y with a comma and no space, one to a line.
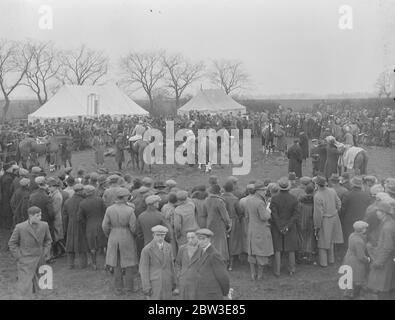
30,243
212,281
75,236
20,201
334,183
218,220
119,225
91,214
156,267
184,217
149,218
187,258
40,198
381,280
170,184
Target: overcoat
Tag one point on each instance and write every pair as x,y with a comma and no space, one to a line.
381,278
305,224
19,204
198,198
284,207
119,225
56,202
184,219
356,257
148,219
354,205
235,215
187,276
212,281
75,239
259,235
218,222
168,212
30,248
91,214
295,156
6,194
157,270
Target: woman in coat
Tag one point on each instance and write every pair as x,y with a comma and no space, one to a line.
381,278
218,221
357,258
119,225
236,232
284,210
259,236
305,225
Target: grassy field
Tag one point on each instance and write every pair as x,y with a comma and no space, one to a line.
309,282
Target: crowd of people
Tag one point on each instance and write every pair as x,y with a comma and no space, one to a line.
185,243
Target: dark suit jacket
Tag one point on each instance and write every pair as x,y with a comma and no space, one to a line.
40,198
212,277
147,220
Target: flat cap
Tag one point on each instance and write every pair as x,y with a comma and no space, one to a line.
305,180
147,180
360,225
23,172
40,180
89,189
182,195
171,183
113,178
78,187
36,170
205,232
159,229
123,192
152,199
33,210
24,182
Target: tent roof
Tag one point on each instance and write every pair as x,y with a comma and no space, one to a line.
213,101
71,101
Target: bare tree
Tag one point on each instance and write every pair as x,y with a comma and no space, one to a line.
385,83
14,62
180,73
83,66
43,68
144,69
229,75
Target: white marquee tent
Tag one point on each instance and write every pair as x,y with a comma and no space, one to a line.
72,101
212,101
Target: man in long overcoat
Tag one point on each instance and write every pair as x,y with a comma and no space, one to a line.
235,213
6,194
354,205
187,258
30,243
218,220
184,217
91,214
295,156
284,210
156,267
119,225
212,281
259,235
75,236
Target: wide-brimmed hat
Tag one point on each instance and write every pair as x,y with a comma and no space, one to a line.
284,184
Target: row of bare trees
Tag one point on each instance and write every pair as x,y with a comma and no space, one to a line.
43,68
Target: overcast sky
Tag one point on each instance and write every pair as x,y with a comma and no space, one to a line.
287,46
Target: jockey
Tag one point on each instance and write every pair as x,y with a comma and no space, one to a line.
138,132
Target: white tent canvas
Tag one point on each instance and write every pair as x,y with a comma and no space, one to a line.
212,101
72,101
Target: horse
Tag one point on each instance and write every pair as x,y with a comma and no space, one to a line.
353,158
31,149
136,149
267,139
